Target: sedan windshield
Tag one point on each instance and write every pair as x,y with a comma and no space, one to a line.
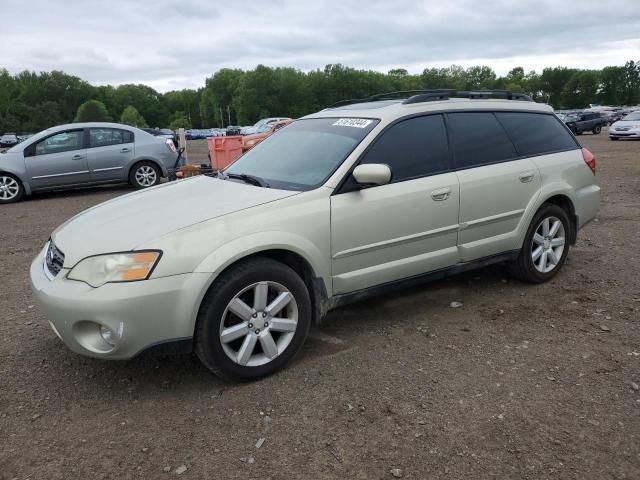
634,116
302,155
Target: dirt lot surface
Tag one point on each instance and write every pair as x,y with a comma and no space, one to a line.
522,381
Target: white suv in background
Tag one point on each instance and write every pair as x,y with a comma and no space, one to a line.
348,202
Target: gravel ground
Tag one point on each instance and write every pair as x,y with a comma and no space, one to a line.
521,381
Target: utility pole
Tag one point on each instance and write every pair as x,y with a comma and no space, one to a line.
221,118
229,114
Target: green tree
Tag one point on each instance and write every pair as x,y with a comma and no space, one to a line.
92,111
131,116
180,122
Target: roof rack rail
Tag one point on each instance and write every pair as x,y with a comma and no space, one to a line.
419,96
430,96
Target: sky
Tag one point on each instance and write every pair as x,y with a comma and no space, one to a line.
173,45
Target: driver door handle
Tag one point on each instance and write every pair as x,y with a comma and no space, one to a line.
125,150
77,157
441,194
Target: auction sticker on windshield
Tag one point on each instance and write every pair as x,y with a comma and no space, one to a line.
353,122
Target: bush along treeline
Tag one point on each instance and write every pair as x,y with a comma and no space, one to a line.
31,101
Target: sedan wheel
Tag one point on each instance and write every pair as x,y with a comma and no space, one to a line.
10,189
146,176
254,335
548,244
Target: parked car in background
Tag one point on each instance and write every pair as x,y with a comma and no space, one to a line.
250,141
338,206
9,140
233,130
82,154
585,122
261,124
627,127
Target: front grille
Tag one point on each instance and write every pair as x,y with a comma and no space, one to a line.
54,259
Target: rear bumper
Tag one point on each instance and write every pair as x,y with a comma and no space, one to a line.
587,204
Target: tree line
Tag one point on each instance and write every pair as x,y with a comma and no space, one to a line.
31,101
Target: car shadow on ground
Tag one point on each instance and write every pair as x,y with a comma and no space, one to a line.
79,192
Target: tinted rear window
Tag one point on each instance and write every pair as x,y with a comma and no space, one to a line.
535,133
478,139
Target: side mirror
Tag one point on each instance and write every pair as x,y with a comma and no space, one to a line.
372,174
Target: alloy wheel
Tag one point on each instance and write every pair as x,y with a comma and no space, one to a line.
547,245
146,176
9,188
258,324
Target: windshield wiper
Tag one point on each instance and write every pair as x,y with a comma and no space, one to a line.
250,179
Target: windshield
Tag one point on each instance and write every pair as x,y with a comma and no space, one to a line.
305,153
632,116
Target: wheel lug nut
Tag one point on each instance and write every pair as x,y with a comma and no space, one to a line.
251,325
264,314
266,324
255,315
257,331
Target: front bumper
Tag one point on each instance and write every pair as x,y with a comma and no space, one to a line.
141,314
635,133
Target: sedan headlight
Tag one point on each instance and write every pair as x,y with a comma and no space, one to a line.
115,267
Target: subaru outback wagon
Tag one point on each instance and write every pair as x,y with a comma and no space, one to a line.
348,202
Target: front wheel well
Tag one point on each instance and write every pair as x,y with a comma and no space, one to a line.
566,204
301,266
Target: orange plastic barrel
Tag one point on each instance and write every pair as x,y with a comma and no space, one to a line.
224,151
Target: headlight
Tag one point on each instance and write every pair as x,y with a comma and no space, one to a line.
251,143
115,267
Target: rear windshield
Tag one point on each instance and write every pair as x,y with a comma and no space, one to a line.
302,155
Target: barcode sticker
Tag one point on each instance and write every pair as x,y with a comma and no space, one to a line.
352,122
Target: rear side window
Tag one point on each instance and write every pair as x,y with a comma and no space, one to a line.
102,137
412,148
478,139
535,133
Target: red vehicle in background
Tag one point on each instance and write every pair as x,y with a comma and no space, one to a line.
250,141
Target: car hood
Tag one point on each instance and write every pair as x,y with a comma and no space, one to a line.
124,223
627,123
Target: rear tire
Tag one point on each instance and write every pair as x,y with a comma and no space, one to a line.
545,246
11,188
597,129
144,175
253,320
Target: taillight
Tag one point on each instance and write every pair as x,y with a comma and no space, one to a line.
589,159
170,145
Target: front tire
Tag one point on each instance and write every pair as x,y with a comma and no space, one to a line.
144,175
253,320
11,189
545,246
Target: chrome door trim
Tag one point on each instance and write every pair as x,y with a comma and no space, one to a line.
491,219
59,174
106,169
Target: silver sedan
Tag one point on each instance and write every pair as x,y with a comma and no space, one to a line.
82,154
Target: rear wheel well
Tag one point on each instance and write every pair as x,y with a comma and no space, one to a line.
566,204
298,264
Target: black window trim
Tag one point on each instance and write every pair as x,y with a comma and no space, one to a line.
87,137
31,148
452,160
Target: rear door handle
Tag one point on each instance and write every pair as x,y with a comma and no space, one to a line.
77,157
440,195
526,177
125,150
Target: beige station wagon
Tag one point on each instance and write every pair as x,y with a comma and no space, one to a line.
351,201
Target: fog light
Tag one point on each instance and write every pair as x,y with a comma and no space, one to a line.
108,335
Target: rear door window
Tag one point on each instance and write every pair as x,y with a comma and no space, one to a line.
478,139
103,137
412,148
536,133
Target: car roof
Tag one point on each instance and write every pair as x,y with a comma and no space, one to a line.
91,125
392,109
